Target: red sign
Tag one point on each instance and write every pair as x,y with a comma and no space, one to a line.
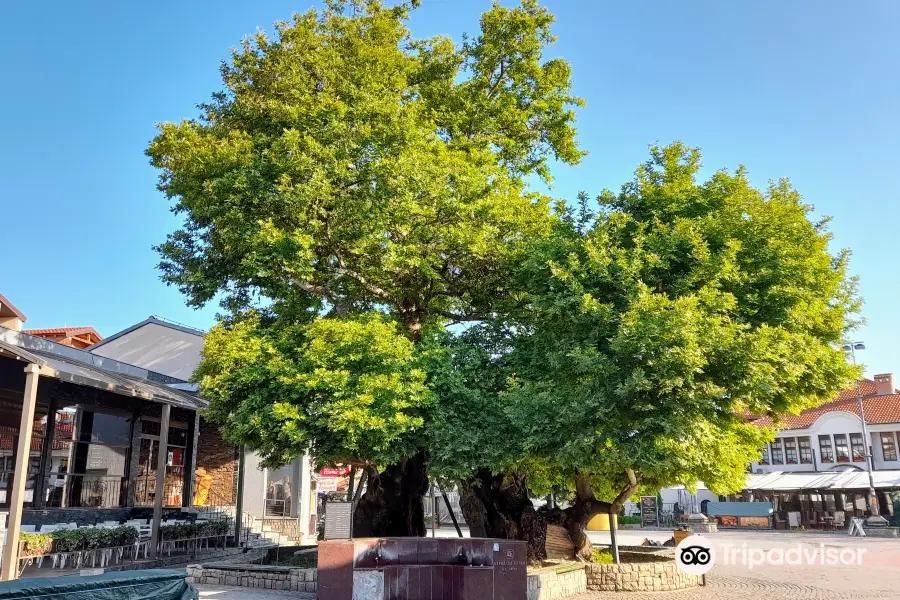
334,472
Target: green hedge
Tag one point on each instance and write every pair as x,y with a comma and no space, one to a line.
72,540
184,531
629,520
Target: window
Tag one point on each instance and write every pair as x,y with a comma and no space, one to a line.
764,459
777,453
790,451
840,447
826,452
858,447
88,464
888,445
805,451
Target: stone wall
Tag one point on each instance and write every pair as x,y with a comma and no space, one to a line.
219,458
254,576
640,577
548,584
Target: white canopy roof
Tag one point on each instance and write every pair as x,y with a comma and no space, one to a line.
782,481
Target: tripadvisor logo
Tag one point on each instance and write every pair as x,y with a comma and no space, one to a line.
695,555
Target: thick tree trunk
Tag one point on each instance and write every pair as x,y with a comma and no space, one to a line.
495,506
499,507
392,505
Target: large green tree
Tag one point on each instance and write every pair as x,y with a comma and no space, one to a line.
640,337
347,168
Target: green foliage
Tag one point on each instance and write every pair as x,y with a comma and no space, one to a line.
350,386
644,331
68,540
625,520
347,168
35,544
601,556
186,531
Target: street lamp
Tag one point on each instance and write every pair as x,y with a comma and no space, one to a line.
873,499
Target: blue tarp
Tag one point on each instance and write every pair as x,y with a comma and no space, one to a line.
149,584
739,509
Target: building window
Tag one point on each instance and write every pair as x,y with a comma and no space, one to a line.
826,452
888,446
805,451
840,447
764,459
777,453
858,447
790,451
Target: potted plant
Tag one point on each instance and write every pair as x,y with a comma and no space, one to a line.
35,544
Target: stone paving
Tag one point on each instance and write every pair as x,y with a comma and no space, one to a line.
878,578
222,592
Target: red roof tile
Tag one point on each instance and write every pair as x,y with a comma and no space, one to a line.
878,409
66,331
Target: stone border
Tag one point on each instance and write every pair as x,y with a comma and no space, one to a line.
556,582
662,576
254,576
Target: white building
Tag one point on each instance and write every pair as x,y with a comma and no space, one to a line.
830,437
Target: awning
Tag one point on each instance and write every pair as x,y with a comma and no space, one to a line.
79,373
739,509
782,481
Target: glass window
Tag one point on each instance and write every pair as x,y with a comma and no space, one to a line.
805,450
826,451
858,447
888,445
840,447
764,459
790,451
777,453
88,461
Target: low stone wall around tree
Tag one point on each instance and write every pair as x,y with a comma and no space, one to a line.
254,576
659,576
548,584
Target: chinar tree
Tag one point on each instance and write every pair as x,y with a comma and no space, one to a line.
348,189
641,337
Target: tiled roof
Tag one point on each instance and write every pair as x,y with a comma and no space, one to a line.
878,409
67,331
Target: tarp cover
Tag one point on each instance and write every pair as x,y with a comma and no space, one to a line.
149,584
739,509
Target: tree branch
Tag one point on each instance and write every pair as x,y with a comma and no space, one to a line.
628,491
369,287
456,317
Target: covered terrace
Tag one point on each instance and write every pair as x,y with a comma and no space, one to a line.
86,439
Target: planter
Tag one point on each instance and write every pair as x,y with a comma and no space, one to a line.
680,534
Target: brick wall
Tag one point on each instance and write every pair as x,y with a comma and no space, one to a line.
219,458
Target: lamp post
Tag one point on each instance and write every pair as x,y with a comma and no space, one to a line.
873,499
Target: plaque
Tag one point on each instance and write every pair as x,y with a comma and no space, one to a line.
649,511
338,520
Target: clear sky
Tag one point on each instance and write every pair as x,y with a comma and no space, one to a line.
807,89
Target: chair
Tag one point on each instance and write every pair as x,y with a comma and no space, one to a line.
838,519
780,523
793,520
27,528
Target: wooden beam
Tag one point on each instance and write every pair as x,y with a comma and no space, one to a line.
9,569
162,455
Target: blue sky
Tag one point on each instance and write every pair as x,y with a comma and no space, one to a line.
807,89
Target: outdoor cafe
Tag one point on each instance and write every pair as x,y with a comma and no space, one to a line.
818,500
87,442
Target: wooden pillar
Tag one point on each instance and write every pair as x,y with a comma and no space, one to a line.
239,501
190,461
9,569
162,455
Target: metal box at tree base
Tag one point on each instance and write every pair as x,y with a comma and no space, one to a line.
421,569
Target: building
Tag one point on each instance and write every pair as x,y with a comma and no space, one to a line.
10,316
271,497
816,466
77,337
829,437
84,438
